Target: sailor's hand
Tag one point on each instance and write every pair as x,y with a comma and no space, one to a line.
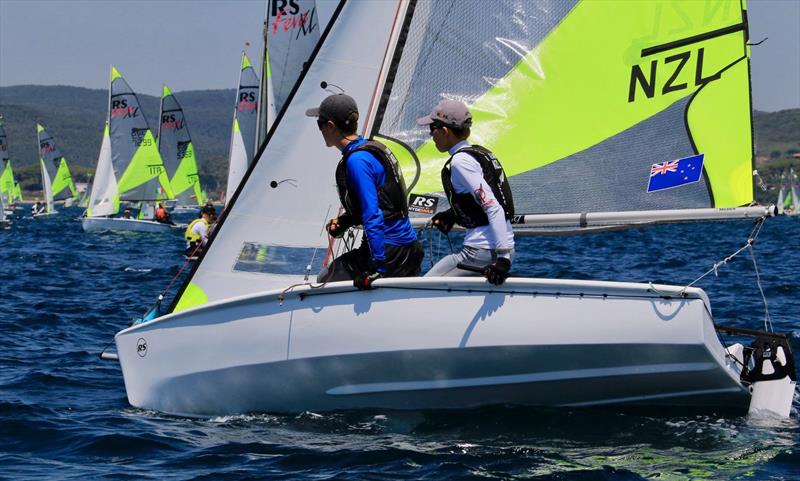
497,272
364,281
444,221
338,225
335,229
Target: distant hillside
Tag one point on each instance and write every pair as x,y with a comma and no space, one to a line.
74,116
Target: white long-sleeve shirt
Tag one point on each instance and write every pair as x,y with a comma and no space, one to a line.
466,176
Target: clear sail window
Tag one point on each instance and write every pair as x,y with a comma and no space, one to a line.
272,259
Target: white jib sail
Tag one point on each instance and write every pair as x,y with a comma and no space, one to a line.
285,202
104,188
238,162
47,187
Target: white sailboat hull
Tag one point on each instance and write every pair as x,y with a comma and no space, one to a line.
432,343
45,214
100,224
183,209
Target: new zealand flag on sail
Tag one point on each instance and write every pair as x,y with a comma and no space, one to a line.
675,173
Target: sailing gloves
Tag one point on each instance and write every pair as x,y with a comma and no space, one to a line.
338,225
444,221
364,281
497,272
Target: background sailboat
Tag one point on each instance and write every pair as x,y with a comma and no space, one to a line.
177,152
56,178
129,167
290,34
5,222
9,188
245,119
459,342
788,202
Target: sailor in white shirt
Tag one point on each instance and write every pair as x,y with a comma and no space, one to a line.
479,195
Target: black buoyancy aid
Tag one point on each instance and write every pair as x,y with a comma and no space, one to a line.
391,195
468,212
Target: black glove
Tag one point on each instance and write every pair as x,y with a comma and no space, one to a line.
338,225
497,272
444,221
364,280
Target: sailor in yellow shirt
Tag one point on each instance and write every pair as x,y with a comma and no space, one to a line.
197,232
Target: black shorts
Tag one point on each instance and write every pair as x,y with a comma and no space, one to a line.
401,261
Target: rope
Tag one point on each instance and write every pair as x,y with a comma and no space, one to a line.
758,224
329,254
767,319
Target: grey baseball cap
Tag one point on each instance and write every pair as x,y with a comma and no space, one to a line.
449,112
336,107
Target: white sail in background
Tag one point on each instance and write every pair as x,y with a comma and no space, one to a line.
238,161
291,31
104,198
245,123
47,188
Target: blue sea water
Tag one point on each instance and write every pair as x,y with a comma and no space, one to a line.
64,413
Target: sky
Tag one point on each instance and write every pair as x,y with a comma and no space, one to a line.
196,44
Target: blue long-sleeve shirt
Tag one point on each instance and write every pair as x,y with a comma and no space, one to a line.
365,174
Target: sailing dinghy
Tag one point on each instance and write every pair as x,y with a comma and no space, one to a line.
788,202
177,151
582,113
56,178
5,222
9,188
129,167
245,120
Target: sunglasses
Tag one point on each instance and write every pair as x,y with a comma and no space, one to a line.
434,127
321,122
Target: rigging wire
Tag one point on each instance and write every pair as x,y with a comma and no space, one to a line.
751,239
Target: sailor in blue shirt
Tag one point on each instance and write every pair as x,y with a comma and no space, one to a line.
373,194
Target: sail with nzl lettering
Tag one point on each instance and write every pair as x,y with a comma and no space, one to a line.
560,110
177,151
245,121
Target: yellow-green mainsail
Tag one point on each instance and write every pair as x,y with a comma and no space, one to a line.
597,74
